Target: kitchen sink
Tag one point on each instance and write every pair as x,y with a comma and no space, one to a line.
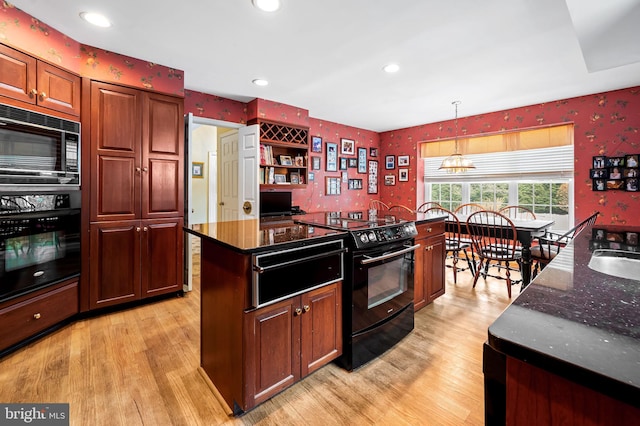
618,263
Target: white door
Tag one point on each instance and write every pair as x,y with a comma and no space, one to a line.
213,183
228,185
248,172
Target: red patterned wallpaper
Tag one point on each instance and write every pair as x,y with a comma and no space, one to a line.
276,111
26,33
212,106
604,124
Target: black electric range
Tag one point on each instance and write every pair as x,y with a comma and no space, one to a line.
378,285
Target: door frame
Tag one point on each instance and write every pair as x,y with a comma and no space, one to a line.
190,121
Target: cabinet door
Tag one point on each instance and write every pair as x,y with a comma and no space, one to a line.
434,268
17,75
115,152
162,153
114,263
321,327
419,293
58,89
162,256
273,350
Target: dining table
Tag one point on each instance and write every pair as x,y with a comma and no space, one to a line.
527,230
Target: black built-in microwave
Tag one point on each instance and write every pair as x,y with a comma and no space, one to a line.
37,150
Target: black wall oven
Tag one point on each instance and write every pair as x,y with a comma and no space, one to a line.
39,240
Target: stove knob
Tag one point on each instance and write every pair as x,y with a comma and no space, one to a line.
364,238
372,236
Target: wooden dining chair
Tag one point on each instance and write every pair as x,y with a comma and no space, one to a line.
378,205
468,208
454,246
550,244
426,206
494,239
518,212
401,207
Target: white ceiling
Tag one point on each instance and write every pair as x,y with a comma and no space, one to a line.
327,56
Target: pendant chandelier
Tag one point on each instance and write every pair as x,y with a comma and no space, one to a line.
456,163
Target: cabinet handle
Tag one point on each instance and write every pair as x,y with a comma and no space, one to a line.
298,311
43,96
137,229
145,169
33,93
37,315
138,169
145,229
306,308
428,229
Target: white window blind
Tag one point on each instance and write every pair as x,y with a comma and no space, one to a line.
555,162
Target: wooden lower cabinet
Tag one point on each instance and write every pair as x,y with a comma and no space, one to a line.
34,313
429,280
289,340
132,260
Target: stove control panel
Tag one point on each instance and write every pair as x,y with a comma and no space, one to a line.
372,237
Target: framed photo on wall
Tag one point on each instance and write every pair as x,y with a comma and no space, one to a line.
316,144
403,160
343,163
403,175
197,170
390,180
373,152
362,160
390,162
332,157
348,146
315,163
372,181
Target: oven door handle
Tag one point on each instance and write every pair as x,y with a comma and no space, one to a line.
262,269
406,249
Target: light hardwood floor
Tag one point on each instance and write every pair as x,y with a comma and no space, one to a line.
140,367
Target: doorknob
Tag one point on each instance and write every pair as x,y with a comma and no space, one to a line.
222,203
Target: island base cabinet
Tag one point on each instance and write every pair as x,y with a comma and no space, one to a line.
289,340
538,397
132,260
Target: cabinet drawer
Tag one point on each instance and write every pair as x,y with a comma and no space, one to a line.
429,229
27,318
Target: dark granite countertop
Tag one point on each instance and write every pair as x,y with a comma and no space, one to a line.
253,236
578,323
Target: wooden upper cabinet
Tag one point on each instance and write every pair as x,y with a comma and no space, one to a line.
137,143
37,83
17,75
162,150
116,158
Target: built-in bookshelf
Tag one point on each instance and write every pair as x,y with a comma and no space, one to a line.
283,155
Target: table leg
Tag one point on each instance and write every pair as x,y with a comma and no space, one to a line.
526,266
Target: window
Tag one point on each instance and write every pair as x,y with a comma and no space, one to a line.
540,179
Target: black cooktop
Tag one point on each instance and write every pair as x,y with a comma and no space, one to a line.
367,228
349,221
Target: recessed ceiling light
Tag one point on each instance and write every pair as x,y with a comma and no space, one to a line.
96,19
267,5
391,68
260,82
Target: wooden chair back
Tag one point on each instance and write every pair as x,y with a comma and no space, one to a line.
518,212
401,207
378,205
425,206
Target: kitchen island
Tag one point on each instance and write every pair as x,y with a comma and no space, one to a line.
272,303
567,350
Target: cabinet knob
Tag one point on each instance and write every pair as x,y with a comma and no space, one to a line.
43,96
428,229
137,229
33,93
138,169
145,169
298,311
37,315
306,308
145,229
